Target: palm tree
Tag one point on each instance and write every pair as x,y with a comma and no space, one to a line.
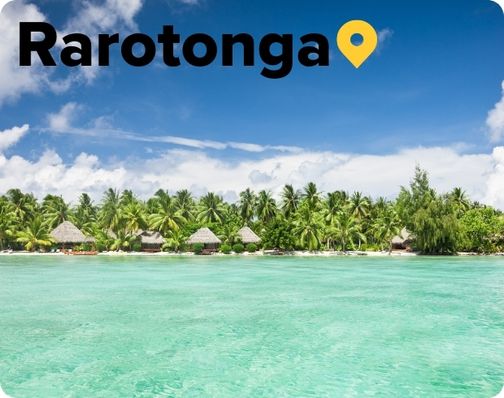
459,199
55,210
110,212
84,215
381,205
7,221
290,200
347,230
266,207
167,217
23,206
185,204
359,205
122,241
247,205
311,196
332,207
35,235
308,227
127,197
211,209
386,227
134,217
229,234
175,240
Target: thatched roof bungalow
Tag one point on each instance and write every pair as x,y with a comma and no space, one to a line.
206,237
67,234
248,236
402,241
150,240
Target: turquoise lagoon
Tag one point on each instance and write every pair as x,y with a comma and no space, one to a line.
251,327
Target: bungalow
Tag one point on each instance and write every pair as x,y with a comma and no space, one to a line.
151,241
205,237
67,236
248,236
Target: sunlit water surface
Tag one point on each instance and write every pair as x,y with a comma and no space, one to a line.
251,327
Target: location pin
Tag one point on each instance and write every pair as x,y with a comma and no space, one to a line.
357,54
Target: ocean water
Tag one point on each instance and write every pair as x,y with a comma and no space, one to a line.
251,327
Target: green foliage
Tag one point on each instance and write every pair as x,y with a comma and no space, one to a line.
198,248
225,248
266,207
303,219
211,209
414,199
347,230
165,216
483,230
308,225
176,241
136,246
247,205
35,236
278,235
251,248
238,248
436,227
84,247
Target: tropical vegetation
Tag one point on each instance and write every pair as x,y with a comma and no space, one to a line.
306,219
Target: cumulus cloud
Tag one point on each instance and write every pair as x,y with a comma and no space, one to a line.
98,17
10,137
62,120
481,175
14,80
92,17
495,120
495,182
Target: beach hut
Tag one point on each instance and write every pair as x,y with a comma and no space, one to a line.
205,237
402,241
151,241
68,235
248,236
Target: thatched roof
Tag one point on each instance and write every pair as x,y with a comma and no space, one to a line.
205,236
66,232
397,240
248,236
150,237
402,238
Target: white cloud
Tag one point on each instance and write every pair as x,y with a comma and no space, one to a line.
14,80
495,182
481,175
96,17
384,35
189,2
91,18
495,120
61,122
10,137
179,3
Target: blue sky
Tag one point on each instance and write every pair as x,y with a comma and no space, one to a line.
432,83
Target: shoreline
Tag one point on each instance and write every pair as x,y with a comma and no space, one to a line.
257,254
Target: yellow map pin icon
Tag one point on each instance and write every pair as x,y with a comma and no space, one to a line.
357,54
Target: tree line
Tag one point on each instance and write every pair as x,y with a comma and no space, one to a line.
305,219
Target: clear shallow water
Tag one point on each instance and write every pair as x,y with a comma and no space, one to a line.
251,327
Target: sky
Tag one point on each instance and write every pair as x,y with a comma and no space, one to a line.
431,95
